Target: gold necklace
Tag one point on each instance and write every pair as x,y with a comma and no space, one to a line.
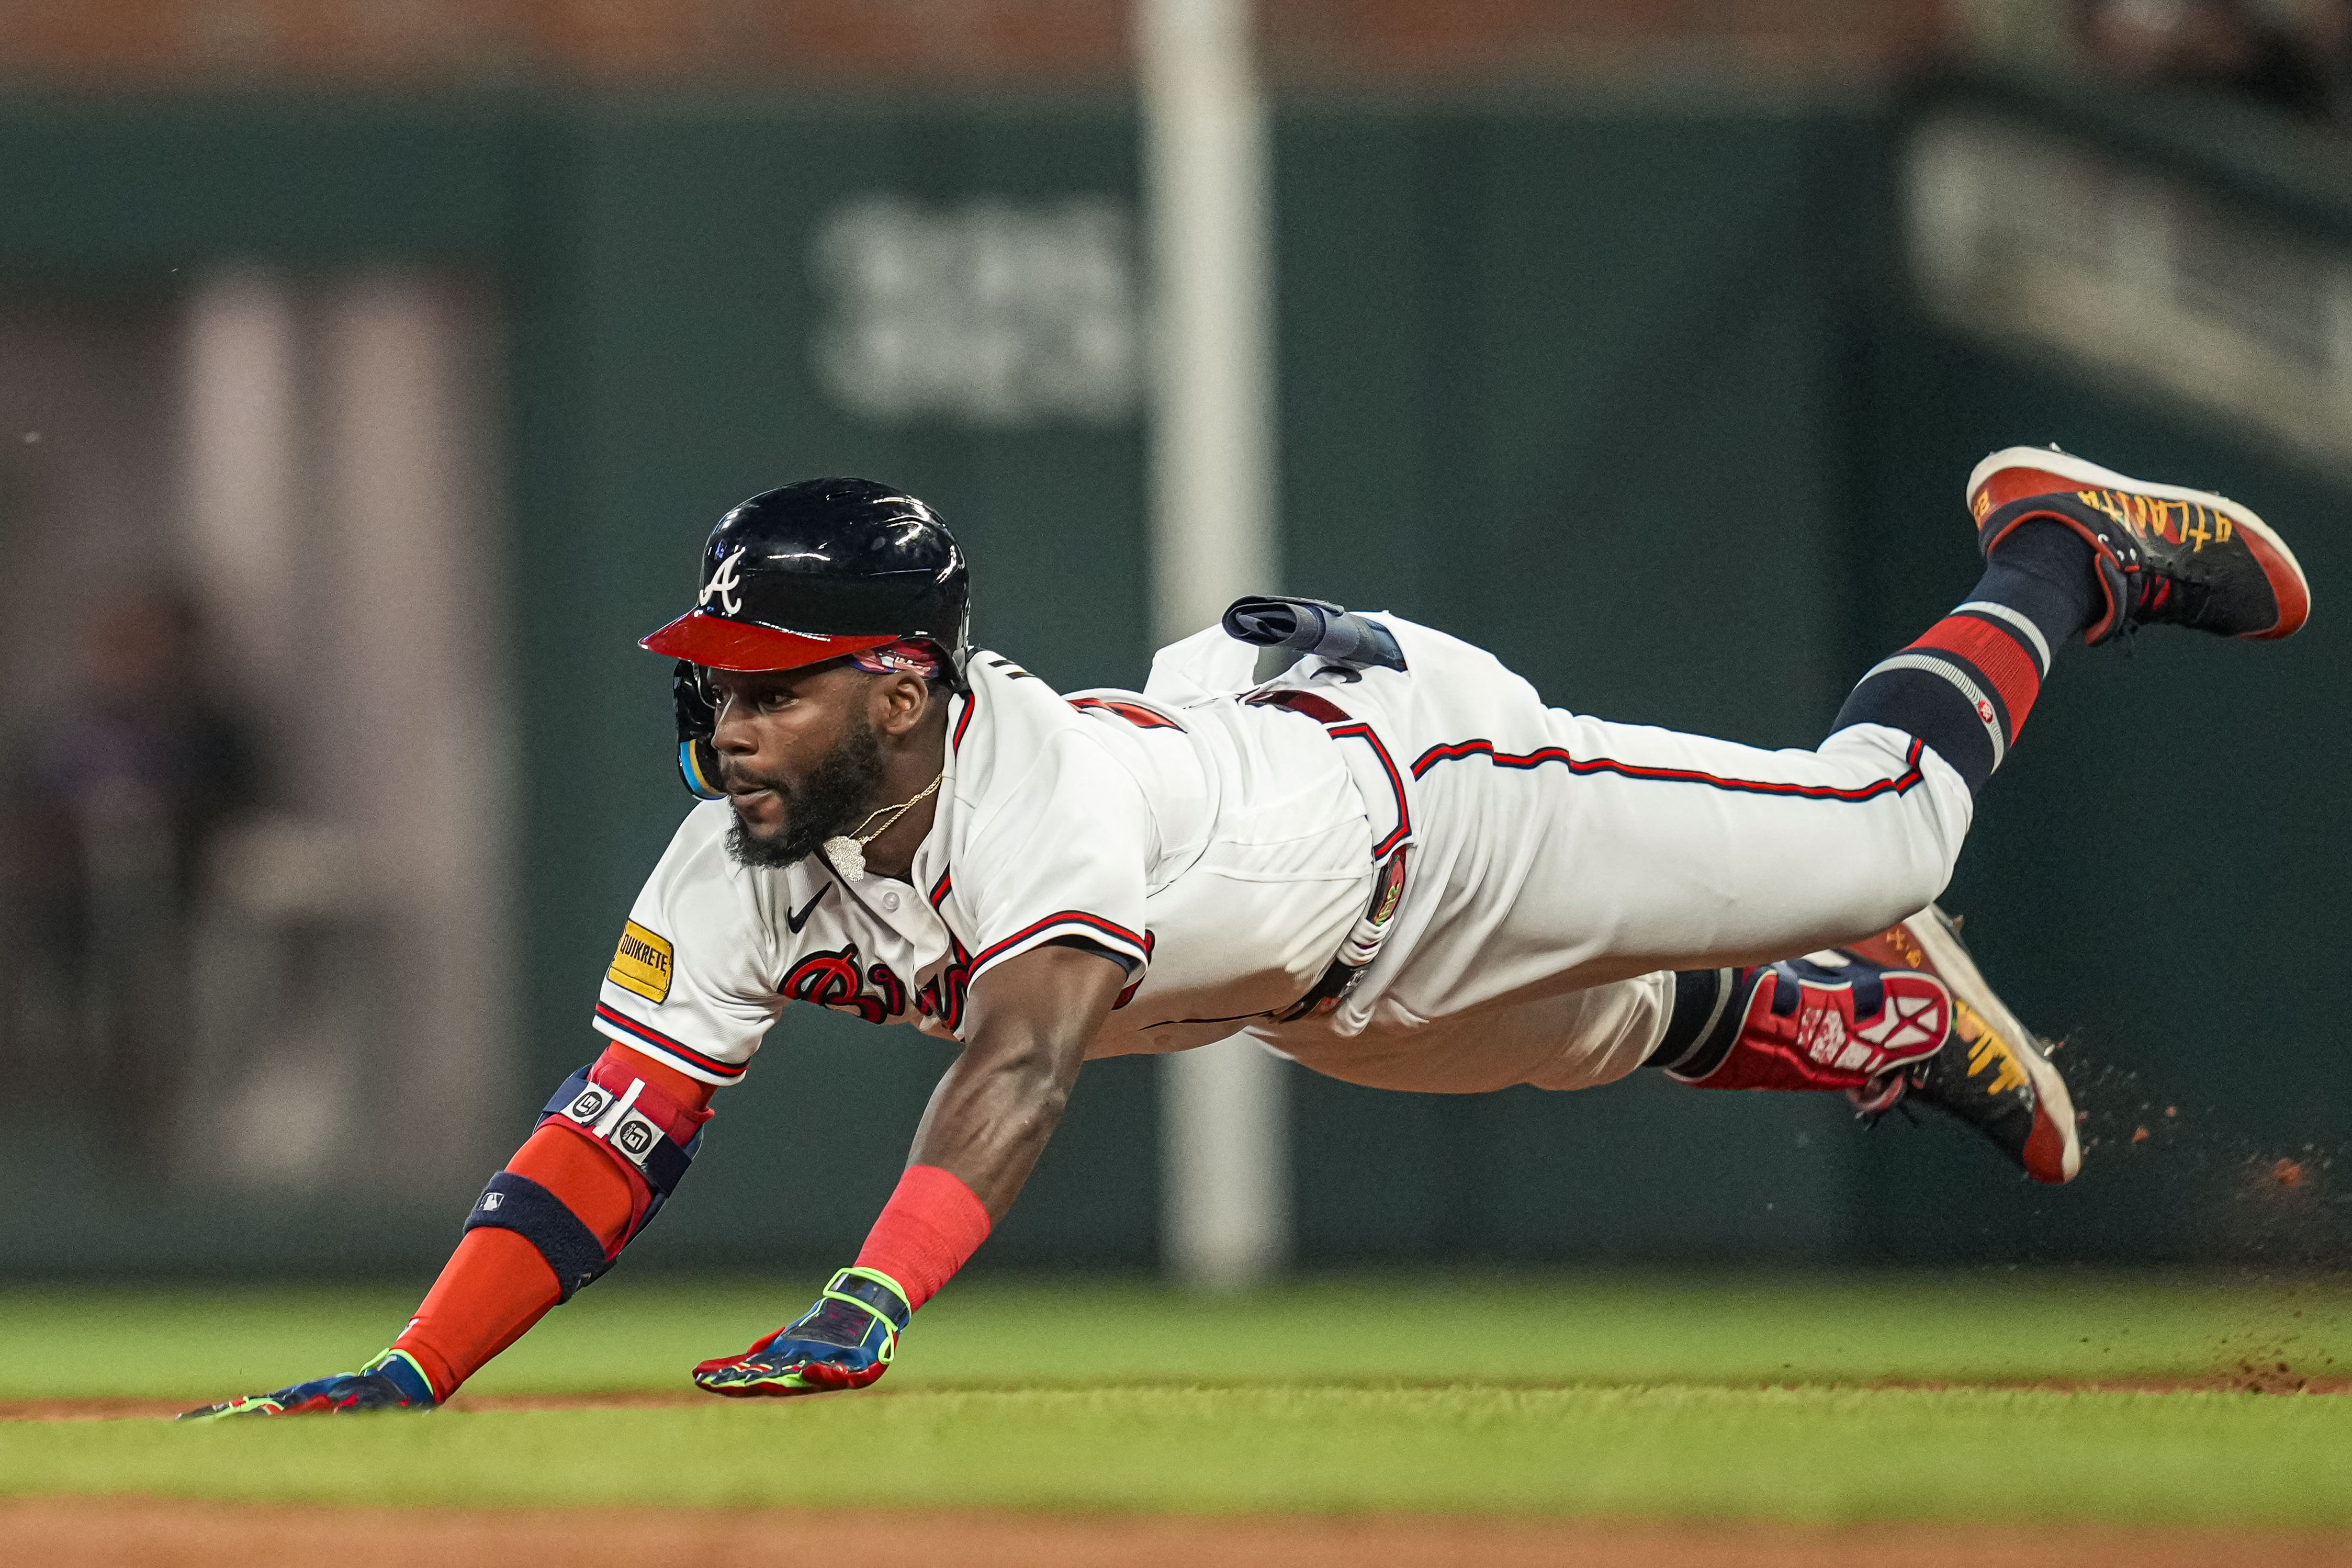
848,851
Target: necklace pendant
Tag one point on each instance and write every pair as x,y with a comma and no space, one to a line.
847,855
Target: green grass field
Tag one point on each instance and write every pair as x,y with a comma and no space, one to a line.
1737,1397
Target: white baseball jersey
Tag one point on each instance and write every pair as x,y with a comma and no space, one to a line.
1221,855
1223,848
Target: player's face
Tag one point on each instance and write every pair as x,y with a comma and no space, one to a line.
797,757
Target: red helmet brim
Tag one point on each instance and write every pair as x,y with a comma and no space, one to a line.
717,644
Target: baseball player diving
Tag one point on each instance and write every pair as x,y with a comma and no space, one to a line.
1391,863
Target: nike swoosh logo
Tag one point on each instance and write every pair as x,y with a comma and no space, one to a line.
797,921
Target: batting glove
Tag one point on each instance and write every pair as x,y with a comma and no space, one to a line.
392,1380
845,1341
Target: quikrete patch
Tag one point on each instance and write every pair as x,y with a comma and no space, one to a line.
642,963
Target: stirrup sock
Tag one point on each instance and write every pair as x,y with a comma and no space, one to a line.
1700,1029
1967,686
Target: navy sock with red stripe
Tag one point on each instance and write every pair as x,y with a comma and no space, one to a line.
1966,686
1703,1024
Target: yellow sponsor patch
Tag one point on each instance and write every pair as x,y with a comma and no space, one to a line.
642,963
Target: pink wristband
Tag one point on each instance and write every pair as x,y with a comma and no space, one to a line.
929,1229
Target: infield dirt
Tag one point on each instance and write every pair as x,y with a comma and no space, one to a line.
2247,1380
116,1531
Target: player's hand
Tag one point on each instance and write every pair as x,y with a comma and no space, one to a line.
845,1341
392,1380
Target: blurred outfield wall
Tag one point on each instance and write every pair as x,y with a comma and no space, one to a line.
1625,391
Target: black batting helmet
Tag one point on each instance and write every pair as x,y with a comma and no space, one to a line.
824,569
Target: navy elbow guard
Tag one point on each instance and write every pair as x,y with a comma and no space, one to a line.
650,1136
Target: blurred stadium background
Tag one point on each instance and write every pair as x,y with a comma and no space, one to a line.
371,369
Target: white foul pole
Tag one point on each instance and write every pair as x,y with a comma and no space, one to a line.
1223,1119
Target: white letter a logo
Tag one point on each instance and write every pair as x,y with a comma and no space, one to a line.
721,585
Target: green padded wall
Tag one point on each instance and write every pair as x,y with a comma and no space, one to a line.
2154,875
1569,383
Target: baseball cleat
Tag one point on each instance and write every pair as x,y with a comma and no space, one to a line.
2167,556
1990,1071
1838,1019
392,1380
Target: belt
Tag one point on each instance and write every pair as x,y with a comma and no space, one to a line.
1371,928
1357,953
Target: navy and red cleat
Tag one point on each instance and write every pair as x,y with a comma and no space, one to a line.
1902,1015
1838,1019
2165,556
392,1380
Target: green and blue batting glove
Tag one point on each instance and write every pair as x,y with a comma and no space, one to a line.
392,1380
845,1341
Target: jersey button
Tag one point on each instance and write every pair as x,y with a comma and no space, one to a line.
891,900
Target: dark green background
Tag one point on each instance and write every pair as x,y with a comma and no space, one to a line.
1631,395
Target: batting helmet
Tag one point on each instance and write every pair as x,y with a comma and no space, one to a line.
823,570
827,568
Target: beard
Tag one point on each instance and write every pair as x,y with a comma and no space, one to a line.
830,801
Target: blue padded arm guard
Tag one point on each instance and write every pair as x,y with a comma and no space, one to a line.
662,1161
519,1203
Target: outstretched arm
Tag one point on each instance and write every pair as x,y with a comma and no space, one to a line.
568,1197
981,1136
1030,1019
